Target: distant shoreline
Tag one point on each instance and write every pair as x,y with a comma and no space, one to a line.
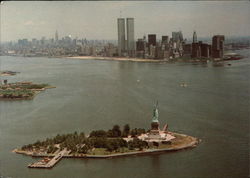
148,60
180,59
117,59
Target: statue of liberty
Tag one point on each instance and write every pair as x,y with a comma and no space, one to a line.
155,121
155,113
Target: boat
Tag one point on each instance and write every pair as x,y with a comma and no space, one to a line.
232,56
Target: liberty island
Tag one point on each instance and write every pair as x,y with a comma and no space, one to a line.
113,143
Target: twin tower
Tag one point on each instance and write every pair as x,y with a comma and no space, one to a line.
126,43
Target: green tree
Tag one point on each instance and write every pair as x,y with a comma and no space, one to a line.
110,147
112,144
134,132
98,133
141,131
98,142
82,135
126,130
116,131
137,143
110,133
84,149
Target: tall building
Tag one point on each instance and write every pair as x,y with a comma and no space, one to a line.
187,49
164,39
140,45
205,50
130,37
194,37
177,36
218,46
141,48
151,51
181,36
56,36
201,50
196,50
164,42
121,36
152,39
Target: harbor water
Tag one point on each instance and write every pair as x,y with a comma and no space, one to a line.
213,105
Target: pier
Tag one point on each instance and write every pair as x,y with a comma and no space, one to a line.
49,162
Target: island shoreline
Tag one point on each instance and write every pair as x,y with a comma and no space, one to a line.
192,144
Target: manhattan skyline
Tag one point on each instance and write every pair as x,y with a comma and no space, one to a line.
97,20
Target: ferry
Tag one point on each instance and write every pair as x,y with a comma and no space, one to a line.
232,56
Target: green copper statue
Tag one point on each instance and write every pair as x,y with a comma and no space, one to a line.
155,113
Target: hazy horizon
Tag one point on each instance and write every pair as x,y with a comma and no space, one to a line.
98,20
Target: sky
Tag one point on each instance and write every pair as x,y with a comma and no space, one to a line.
98,19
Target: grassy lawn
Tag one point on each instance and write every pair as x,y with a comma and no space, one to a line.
99,151
103,151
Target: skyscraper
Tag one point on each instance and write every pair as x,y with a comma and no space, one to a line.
177,36
164,39
130,37
121,36
196,50
218,46
194,37
152,39
140,45
205,50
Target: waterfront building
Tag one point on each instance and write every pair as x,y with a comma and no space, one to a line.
130,37
92,51
140,45
187,50
152,39
205,50
121,36
177,36
201,50
23,42
174,45
166,54
140,48
194,37
152,50
126,43
196,47
110,50
34,42
196,50
164,42
218,46
164,39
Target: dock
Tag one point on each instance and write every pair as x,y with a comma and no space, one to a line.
49,162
